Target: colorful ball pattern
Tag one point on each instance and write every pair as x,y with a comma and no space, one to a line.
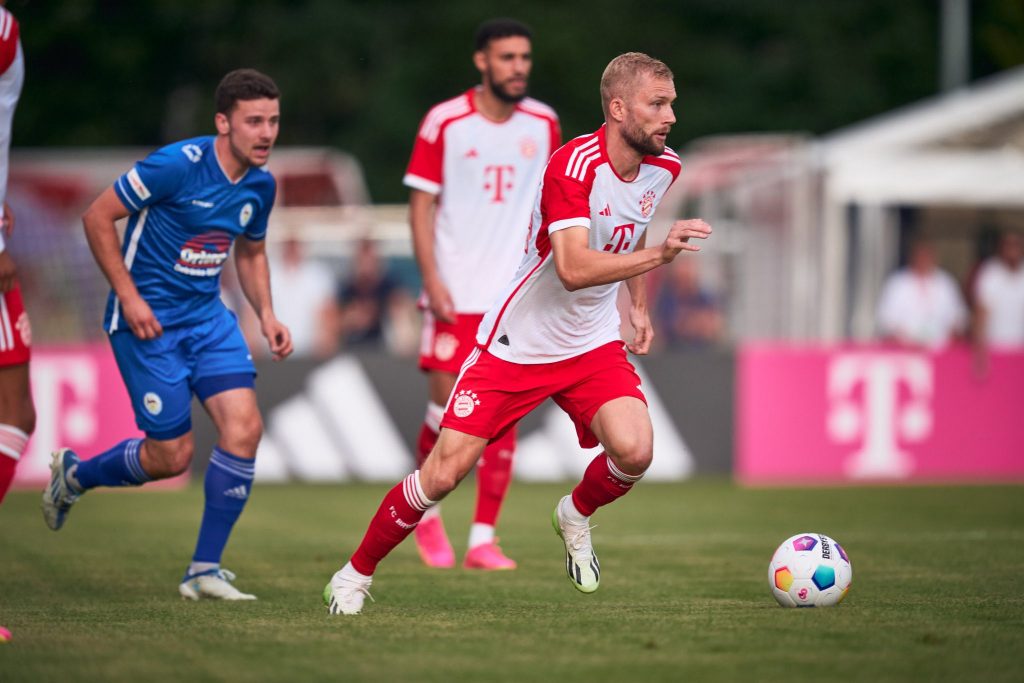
810,570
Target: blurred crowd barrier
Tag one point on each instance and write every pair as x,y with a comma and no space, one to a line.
767,414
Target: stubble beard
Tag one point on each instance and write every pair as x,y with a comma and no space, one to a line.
502,94
640,141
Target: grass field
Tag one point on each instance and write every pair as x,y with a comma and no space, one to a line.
684,597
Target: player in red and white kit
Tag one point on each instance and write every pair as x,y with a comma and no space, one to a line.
17,414
474,171
555,331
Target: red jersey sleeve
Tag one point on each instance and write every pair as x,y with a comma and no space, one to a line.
9,32
564,200
426,165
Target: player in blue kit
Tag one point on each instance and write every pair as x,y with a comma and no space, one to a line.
172,336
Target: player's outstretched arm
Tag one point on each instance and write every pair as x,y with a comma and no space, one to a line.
422,211
579,266
101,233
254,276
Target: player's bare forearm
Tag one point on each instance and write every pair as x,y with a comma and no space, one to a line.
422,209
637,285
422,214
580,266
254,275
254,278
99,222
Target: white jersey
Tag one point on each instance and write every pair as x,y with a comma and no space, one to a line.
1001,292
12,74
537,320
486,174
926,310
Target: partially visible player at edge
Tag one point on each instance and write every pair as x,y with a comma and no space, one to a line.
473,176
17,414
171,334
555,332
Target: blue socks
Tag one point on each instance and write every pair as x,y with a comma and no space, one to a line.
227,486
118,466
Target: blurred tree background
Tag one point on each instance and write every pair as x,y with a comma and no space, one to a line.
359,75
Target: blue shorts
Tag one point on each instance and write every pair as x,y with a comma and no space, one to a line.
162,374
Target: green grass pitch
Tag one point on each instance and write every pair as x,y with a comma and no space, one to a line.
936,592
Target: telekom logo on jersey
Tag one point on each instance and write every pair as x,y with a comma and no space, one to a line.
622,237
498,180
893,404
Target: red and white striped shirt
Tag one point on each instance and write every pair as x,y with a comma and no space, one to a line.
486,174
537,320
12,74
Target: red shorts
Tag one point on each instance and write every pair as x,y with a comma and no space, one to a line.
444,347
15,331
492,394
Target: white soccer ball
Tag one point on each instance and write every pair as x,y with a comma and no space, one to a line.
810,570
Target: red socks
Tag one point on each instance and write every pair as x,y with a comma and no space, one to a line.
397,516
602,483
12,444
7,467
493,476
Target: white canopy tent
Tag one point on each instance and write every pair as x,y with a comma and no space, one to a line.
964,148
809,228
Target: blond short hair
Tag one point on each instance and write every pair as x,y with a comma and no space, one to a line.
622,74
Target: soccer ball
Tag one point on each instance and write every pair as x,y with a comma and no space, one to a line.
810,570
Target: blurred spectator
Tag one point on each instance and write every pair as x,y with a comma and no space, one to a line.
301,288
999,298
368,304
688,315
921,304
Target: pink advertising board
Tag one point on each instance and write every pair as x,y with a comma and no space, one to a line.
80,404
863,414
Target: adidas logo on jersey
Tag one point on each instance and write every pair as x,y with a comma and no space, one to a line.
239,492
606,211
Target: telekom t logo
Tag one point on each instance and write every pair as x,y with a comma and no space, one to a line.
498,180
894,404
624,233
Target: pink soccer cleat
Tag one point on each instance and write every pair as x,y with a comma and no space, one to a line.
488,556
432,542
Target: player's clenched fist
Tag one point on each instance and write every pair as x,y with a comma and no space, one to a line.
679,237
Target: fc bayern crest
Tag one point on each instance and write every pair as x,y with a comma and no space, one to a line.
528,147
465,402
647,203
445,346
245,215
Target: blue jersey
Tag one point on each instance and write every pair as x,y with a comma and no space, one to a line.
186,213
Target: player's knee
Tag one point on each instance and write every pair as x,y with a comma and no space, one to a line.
169,459
242,436
633,454
445,479
18,411
24,416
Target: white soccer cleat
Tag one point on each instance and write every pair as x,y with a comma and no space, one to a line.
580,559
345,593
214,584
59,495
